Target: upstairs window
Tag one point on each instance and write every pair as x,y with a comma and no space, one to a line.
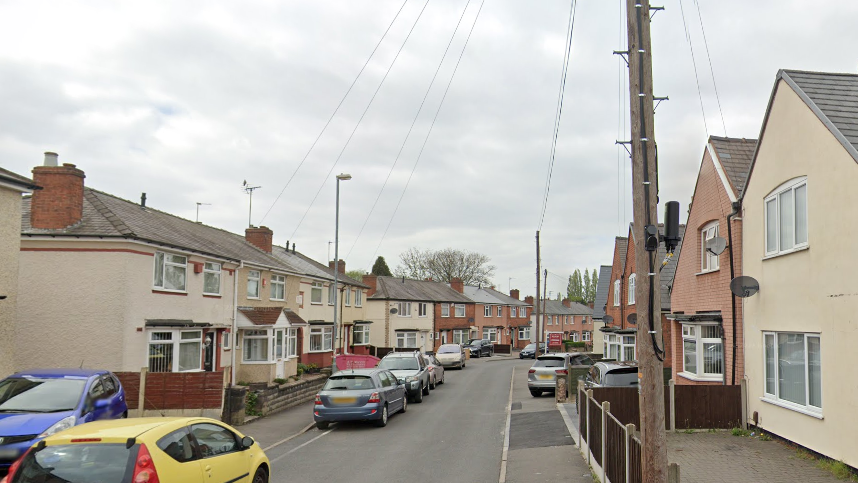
358,298
460,310
632,279
500,311
170,271
445,310
211,278
253,277
422,309
512,311
786,218
278,287
348,296
487,311
616,293
316,293
332,294
708,260
403,309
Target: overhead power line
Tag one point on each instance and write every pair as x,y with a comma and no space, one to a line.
711,70
694,64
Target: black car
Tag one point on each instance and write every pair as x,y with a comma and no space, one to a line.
480,347
529,351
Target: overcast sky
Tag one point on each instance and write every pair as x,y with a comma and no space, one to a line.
186,100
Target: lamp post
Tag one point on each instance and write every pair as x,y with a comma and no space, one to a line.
340,177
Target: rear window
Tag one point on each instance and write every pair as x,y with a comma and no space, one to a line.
449,349
549,362
344,383
399,364
77,463
624,377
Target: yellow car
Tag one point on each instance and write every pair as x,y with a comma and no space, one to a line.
144,450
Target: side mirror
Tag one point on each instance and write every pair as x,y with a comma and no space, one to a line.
246,442
100,404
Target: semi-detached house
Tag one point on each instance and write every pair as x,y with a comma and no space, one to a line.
500,318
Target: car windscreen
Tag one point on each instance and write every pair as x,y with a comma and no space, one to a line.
76,463
624,377
449,349
399,364
549,362
530,347
350,382
40,395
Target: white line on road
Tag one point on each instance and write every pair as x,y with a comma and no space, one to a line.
290,438
299,447
502,478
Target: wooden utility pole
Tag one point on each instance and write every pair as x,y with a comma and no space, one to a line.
647,285
536,305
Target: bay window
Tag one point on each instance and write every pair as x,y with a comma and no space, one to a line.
793,372
702,351
321,339
170,271
786,217
211,278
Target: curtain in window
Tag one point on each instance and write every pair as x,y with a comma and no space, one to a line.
190,355
211,282
174,277
814,372
791,369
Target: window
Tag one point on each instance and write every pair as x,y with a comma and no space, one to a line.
170,271
316,293
708,260
164,345
616,293
422,309
253,277
628,347
214,440
348,296
523,312
586,336
178,445
620,347
256,346
490,333
332,294
278,287
358,298
361,334
292,342
793,372
702,351
406,339
224,343
512,311
500,311
524,333
321,339
460,336
403,309
786,218
211,278
487,311
445,310
632,279
460,310
574,337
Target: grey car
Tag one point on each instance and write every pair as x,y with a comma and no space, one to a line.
542,375
451,355
359,395
436,371
410,369
612,374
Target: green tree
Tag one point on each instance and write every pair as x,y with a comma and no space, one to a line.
577,286
569,288
356,274
587,287
380,268
594,284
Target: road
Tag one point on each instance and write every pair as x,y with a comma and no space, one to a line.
456,434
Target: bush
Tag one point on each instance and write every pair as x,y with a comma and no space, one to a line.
280,380
250,404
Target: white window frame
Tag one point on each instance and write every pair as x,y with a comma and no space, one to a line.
257,334
524,333
708,261
694,333
403,309
176,341
513,310
225,340
487,310
422,309
251,277
347,293
316,289
491,334
278,281
523,313
775,196
774,398
161,264
211,269
500,310
574,336
624,344
403,338
586,336
325,334
291,342
616,293
460,336
445,310
363,331
460,306
632,279
358,297
332,293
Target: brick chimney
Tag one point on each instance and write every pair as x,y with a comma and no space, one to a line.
342,267
372,281
529,300
60,203
260,237
457,285
567,303
590,305
514,294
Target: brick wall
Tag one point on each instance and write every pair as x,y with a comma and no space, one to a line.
276,398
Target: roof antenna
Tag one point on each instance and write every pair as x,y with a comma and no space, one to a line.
198,209
249,190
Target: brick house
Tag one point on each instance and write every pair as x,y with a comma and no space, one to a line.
570,319
497,317
705,339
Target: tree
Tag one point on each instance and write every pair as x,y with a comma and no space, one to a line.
570,289
444,265
576,294
594,284
587,287
356,274
380,268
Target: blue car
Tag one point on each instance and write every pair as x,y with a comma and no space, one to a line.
38,403
359,395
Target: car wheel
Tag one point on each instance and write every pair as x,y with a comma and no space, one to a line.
125,415
442,377
261,476
535,392
432,384
418,398
382,422
404,404
322,424
426,390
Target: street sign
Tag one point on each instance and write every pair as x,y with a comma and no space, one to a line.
744,286
555,339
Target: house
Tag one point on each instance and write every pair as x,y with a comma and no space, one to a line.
599,306
706,322
797,240
571,319
520,325
12,186
419,314
499,317
620,335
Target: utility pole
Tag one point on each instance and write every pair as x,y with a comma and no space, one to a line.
544,298
536,305
646,240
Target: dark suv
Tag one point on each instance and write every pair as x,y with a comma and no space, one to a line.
410,368
480,347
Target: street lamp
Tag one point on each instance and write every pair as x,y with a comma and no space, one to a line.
340,177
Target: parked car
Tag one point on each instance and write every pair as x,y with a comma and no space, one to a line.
529,351
144,449
410,369
451,355
38,403
612,374
542,375
436,371
359,395
480,347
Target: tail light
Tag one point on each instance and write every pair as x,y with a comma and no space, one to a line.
562,372
532,371
373,398
144,468
318,400
15,466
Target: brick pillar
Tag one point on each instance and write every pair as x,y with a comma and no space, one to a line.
372,282
261,237
60,203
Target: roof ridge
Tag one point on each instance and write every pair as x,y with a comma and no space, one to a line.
795,71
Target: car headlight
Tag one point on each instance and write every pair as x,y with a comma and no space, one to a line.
60,425
410,378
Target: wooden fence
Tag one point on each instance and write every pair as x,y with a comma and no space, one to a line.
176,392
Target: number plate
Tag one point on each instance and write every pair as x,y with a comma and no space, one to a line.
9,454
546,376
344,400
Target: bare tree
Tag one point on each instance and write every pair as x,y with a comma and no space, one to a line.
444,265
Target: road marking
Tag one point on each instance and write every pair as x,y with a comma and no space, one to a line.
290,438
502,478
299,447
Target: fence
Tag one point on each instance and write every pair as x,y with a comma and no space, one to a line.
173,393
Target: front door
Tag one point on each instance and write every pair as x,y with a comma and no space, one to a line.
279,370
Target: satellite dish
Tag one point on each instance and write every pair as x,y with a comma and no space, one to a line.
716,246
744,286
608,320
632,319
393,310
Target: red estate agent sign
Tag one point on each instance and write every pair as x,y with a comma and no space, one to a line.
555,339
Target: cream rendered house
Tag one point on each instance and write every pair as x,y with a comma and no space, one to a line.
798,242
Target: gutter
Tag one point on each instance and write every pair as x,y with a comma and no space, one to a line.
737,206
234,328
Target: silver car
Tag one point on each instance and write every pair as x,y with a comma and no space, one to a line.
542,375
436,371
612,374
451,355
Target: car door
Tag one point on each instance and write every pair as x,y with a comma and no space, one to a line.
439,369
397,391
92,411
221,457
183,458
114,395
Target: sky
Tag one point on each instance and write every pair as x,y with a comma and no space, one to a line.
188,100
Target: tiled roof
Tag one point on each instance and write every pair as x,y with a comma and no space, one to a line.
16,179
308,266
490,296
294,318
622,245
735,155
262,315
505,299
393,288
602,292
669,271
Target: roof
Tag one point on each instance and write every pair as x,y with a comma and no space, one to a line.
270,315
393,288
621,245
667,273
602,292
107,216
490,296
308,266
57,373
735,155
506,299
123,429
9,177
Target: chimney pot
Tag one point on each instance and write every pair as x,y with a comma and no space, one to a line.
143,200
293,248
51,158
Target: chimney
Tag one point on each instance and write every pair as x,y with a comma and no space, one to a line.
261,237
457,285
342,267
372,281
60,203
514,294
567,303
529,300
590,305
143,200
